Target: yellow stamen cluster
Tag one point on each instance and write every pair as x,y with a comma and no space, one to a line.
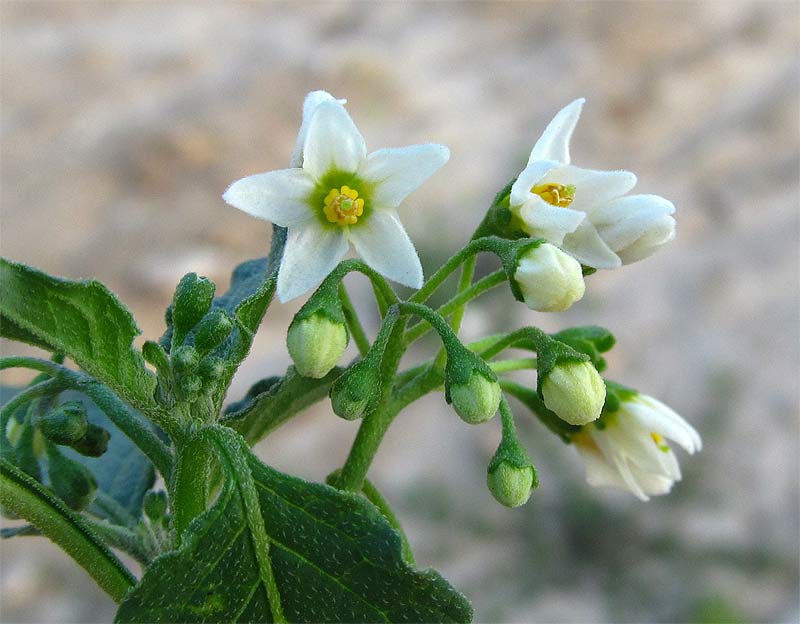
343,206
555,194
661,443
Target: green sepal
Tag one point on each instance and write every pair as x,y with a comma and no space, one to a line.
358,389
591,340
499,220
510,475
324,301
530,398
461,365
191,302
65,423
72,482
551,352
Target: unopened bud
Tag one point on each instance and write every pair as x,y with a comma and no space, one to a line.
191,302
509,484
72,482
475,401
185,359
211,368
65,424
316,344
352,393
549,279
155,505
94,443
575,391
212,330
155,354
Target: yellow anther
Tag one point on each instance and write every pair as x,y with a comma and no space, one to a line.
661,443
555,194
343,206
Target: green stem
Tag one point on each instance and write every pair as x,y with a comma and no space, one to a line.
458,303
375,423
353,323
23,496
121,538
504,366
467,273
44,366
190,487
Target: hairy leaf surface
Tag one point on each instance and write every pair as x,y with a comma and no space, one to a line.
81,319
333,557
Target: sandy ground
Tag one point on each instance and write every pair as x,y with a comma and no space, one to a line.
122,125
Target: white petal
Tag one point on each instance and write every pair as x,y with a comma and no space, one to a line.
547,221
312,251
635,226
598,471
554,142
617,459
277,196
592,188
660,418
530,176
655,485
384,245
313,99
333,141
396,172
586,246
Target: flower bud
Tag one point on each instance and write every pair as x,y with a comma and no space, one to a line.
94,443
509,484
72,482
575,391
155,354
185,359
211,369
65,424
475,401
192,300
353,391
316,343
212,331
155,505
549,279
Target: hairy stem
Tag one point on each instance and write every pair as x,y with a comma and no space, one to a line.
353,323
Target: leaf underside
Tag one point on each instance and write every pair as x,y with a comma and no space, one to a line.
333,555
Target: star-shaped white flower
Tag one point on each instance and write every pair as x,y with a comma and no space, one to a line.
631,452
586,212
337,194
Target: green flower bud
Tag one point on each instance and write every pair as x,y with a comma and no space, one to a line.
65,424
72,482
155,505
316,343
94,443
212,331
190,386
475,401
548,279
354,390
185,359
155,354
575,391
511,485
191,302
211,369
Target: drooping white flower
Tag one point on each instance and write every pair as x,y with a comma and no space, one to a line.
337,194
631,451
586,212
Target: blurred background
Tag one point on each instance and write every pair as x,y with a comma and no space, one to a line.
123,123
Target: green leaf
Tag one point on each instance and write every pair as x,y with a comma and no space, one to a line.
590,340
267,410
333,556
81,319
28,499
123,472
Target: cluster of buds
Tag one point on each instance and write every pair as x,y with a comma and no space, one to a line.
185,360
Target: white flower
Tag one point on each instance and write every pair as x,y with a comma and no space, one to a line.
586,212
337,194
631,451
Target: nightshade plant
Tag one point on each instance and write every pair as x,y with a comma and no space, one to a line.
221,536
